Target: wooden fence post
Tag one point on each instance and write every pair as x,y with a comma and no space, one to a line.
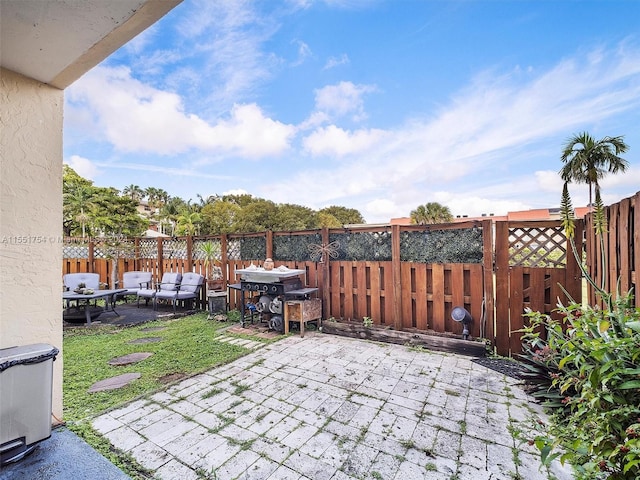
326,298
269,244
397,276
159,259
488,271
502,326
136,254
91,258
190,252
224,260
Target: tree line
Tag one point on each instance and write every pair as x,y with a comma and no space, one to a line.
97,211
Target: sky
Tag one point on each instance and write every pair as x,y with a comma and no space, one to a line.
375,105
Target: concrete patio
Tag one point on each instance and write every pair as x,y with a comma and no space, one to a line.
327,407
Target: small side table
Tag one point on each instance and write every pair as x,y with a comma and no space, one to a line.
217,303
300,307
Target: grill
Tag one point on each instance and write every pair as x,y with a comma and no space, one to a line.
271,288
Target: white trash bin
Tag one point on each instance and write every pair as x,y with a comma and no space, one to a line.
26,381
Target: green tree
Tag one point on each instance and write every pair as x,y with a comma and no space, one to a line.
188,223
76,193
327,220
295,217
95,210
257,216
344,215
220,217
113,214
169,214
587,160
431,212
134,192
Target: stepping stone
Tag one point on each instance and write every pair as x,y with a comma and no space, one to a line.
114,383
241,342
128,359
152,329
146,340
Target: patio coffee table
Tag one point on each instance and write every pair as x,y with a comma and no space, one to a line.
108,295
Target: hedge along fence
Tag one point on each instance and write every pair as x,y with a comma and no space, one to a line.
405,277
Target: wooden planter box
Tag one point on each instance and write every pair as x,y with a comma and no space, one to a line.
431,342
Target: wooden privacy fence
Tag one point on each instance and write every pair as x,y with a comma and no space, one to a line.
621,246
535,269
386,278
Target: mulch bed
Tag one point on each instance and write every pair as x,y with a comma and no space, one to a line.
505,366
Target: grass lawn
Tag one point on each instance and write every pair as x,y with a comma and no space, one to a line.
188,347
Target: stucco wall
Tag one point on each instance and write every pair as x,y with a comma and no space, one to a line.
31,217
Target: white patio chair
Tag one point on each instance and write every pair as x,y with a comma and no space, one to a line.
169,282
134,281
72,280
189,289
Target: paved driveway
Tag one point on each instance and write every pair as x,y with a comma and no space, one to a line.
327,407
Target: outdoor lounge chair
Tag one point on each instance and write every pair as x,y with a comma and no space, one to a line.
134,281
169,282
188,289
72,280
90,280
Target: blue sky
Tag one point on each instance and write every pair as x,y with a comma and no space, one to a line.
375,105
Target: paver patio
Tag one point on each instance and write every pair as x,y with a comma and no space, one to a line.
327,407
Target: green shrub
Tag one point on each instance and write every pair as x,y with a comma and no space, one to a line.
586,372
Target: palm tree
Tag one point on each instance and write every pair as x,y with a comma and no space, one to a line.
188,223
76,202
431,212
134,191
587,160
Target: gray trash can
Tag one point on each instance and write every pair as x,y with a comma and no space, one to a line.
26,381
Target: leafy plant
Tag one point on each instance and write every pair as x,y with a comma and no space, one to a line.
594,388
212,254
583,368
367,322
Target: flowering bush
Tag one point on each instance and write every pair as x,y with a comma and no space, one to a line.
589,378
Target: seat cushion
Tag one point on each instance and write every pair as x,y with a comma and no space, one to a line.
191,282
90,280
170,281
132,280
146,292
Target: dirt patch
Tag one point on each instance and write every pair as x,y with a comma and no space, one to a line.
171,377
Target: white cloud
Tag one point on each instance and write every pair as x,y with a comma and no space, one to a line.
380,208
236,191
499,127
138,118
304,52
83,167
332,140
334,62
344,98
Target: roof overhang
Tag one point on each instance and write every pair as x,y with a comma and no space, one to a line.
58,41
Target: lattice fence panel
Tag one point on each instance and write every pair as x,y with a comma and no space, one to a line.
148,248
75,249
234,249
174,248
538,247
109,248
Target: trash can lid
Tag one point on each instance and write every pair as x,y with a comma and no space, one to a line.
26,354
